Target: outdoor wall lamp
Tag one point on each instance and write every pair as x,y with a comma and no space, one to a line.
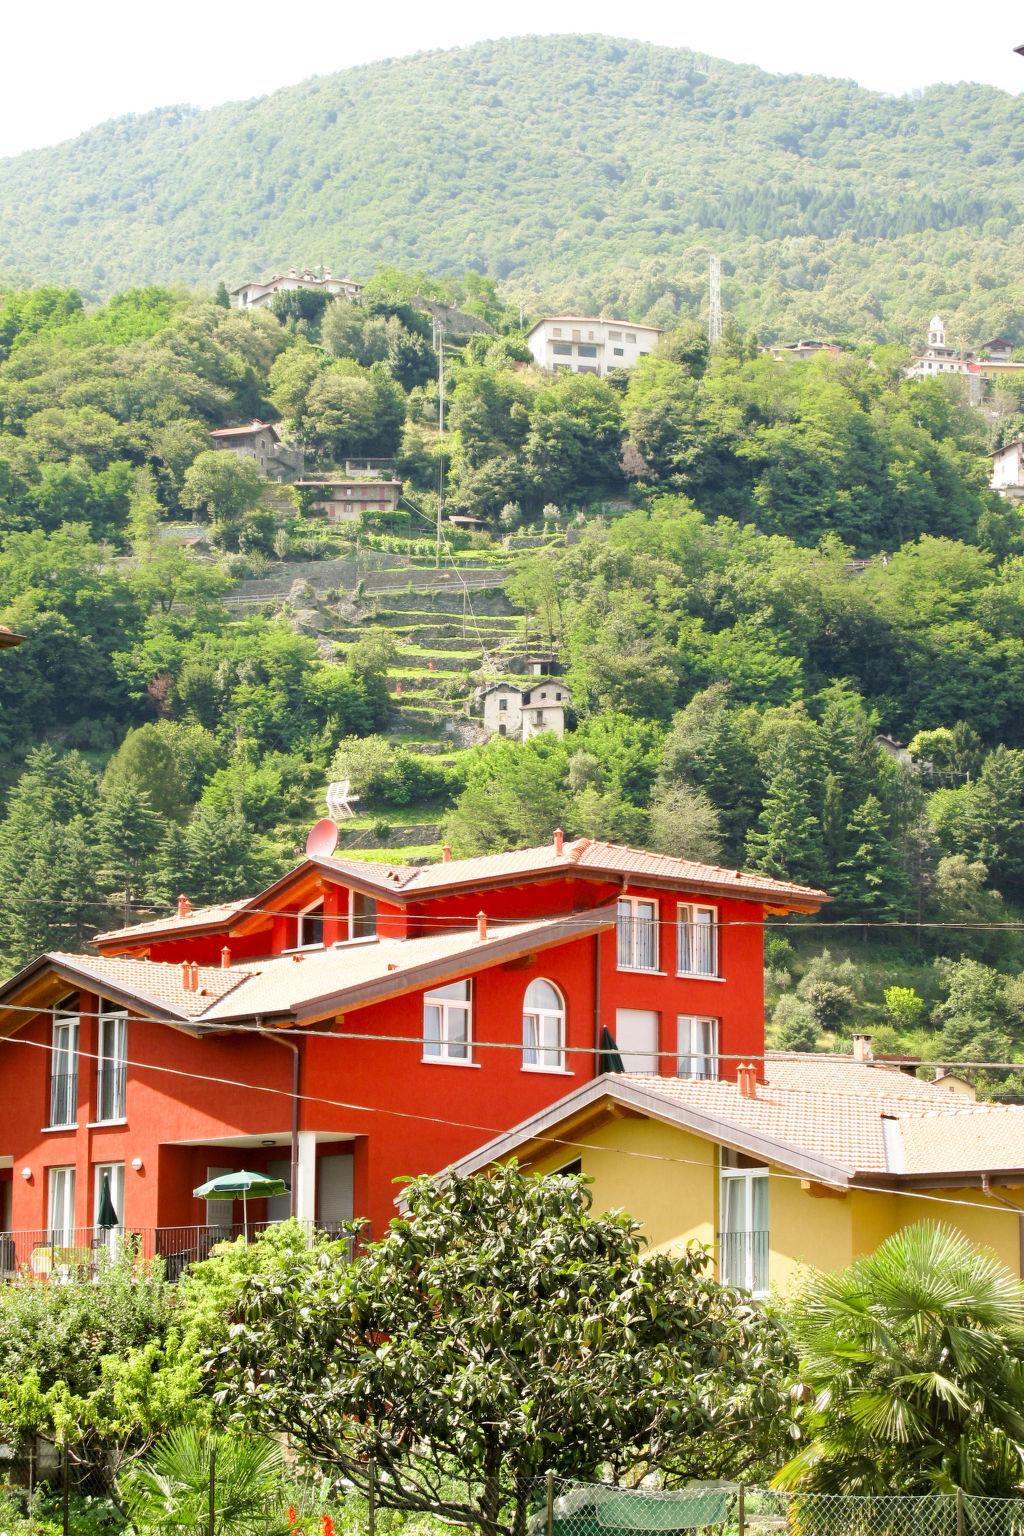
137,1164
26,1173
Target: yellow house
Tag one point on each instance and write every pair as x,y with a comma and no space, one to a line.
808,1168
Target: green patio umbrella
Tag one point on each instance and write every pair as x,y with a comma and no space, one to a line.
241,1185
610,1059
106,1216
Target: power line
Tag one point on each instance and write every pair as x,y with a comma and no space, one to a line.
560,1141
225,1028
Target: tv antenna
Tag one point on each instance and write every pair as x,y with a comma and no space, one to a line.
715,301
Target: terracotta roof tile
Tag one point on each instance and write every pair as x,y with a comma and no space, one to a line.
344,974
159,984
201,917
405,880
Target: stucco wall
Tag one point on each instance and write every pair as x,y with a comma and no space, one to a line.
674,1195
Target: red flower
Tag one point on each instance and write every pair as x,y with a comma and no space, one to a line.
326,1526
293,1518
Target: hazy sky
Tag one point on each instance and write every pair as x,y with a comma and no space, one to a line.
67,66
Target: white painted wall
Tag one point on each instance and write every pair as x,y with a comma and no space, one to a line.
590,345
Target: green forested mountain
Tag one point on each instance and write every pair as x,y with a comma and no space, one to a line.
579,170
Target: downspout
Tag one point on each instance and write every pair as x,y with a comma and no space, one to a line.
986,1186
597,1003
293,1046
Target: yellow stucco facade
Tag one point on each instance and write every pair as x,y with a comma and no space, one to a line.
667,1178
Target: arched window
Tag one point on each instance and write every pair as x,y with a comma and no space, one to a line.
543,1028
310,926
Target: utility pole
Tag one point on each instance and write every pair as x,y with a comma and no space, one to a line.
715,301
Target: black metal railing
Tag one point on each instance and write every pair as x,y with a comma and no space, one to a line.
743,1260
637,943
63,1098
111,1084
77,1252
179,1247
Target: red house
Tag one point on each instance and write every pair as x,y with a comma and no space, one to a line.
353,1024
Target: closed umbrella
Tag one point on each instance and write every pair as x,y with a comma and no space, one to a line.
106,1216
611,1061
241,1185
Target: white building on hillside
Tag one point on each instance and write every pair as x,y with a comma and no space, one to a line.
524,712
585,344
1007,476
253,295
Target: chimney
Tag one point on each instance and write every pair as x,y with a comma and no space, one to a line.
559,841
746,1080
193,985
184,907
189,981
446,854
481,925
225,958
863,1048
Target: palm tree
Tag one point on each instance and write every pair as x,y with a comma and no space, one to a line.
910,1365
169,1493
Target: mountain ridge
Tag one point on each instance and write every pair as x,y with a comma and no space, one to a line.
571,167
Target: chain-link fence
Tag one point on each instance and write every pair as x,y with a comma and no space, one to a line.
52,1494
730,1509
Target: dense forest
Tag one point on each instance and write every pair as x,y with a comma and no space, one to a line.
750,570
834,208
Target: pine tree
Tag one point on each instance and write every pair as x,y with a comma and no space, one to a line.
224,857
787,839
871,879
54,904
128,832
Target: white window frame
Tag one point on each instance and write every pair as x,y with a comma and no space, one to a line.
444,1047
64,1043
697,1047
544,1032
748,1266
696,940
108,1237
628,942
60,1205
112,1056
300,918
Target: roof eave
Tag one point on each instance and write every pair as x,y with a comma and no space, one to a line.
76,977
495,951
609,1086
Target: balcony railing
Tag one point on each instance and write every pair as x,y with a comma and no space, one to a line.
63,1098
110,1092
181,1246
78,1252
743,1260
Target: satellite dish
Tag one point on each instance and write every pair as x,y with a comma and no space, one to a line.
322,839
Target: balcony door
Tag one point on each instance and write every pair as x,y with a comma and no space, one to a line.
64,1071
111,1073
60,1216
743,1238
108,1200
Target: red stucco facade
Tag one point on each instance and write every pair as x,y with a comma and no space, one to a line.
196,1101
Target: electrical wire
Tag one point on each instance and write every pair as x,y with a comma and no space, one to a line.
226,1028
496,1131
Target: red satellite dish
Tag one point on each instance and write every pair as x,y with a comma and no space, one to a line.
322,839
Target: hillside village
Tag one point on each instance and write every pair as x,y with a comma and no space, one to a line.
513,851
